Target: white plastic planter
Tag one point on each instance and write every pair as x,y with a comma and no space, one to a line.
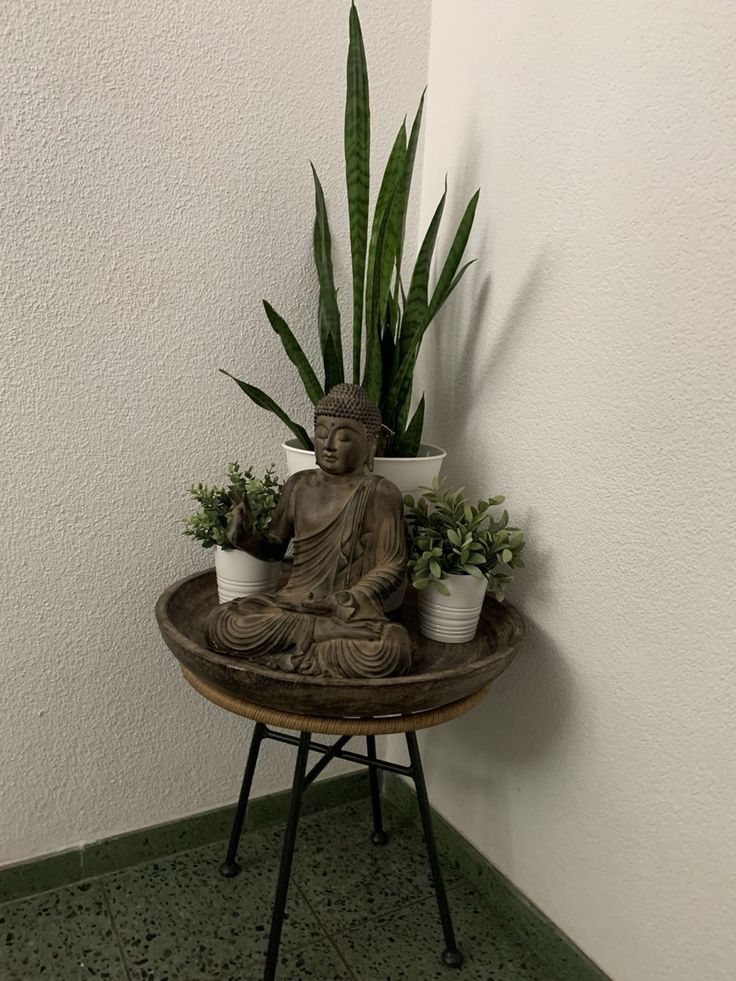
408,473
240,574
451,619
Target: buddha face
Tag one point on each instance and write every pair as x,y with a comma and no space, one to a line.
341,446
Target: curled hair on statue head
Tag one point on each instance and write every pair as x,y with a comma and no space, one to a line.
345,401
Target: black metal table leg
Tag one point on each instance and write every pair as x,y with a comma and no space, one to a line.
379,836
230,866
451,956
287,855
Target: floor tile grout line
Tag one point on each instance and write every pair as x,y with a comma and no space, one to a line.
325,931
114,926
455,889
452,890
389,912
330,934
430,894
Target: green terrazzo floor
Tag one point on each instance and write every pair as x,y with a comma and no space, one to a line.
356,911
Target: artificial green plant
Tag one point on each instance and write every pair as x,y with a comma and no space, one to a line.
209,523
388,322
447,535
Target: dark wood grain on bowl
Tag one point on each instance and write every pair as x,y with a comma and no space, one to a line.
442,673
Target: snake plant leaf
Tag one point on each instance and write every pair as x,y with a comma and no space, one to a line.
357,170
372,379
403,399
413,324
433,311
329,312
445,283
391,176
403,198
392,245
408,444
399,396
453,284
388,349
415,314
330,360
399,380
295,353
266,402
393,314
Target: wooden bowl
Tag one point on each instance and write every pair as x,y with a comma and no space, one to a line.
442,673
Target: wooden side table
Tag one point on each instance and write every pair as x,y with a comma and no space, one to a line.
345,729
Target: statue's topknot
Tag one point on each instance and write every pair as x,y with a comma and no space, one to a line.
346,401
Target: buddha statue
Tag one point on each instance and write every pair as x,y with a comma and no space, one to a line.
349,554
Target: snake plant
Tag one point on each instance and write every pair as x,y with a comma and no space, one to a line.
388,321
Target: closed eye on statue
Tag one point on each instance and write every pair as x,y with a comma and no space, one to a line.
321,432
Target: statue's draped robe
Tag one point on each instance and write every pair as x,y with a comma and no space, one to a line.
360,556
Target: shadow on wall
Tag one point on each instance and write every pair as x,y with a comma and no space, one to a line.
516,729
476,371
473,358
529,710
532,705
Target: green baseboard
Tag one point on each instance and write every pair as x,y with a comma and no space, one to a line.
565,961
111,854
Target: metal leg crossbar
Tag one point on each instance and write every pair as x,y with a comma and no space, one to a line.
451,956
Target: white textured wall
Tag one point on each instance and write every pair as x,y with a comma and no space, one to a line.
154,185
588,373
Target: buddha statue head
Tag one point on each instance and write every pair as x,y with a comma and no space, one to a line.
346,429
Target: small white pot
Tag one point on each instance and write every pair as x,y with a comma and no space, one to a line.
408,473
452,619
240,574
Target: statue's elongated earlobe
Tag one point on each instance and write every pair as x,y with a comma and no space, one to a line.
371,455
